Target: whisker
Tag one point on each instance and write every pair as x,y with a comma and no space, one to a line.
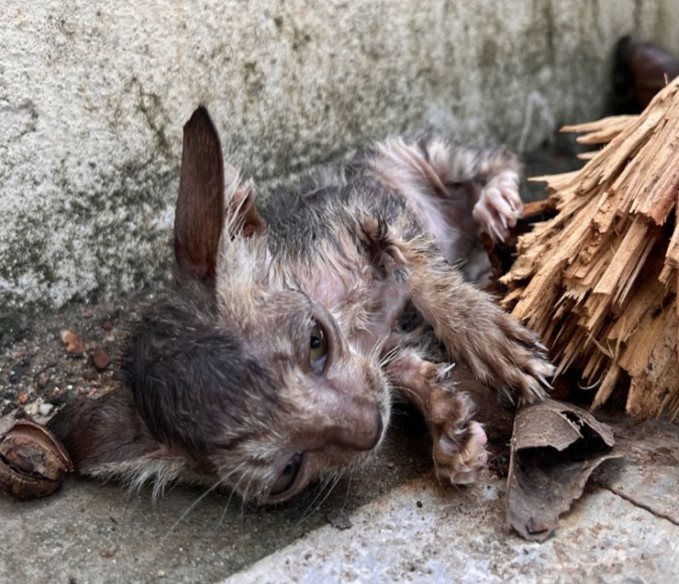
337,477
235,491
245,498
310,507
226,507
332,481
346,495
190,508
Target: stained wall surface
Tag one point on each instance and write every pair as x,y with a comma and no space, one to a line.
93,96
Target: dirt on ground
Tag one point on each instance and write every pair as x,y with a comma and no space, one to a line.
64,354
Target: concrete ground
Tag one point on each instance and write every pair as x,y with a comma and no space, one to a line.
390,521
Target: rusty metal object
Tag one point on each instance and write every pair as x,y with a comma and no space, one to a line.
32,461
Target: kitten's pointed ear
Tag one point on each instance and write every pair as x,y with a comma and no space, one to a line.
246,219
199,216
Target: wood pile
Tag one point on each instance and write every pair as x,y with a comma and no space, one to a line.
599,280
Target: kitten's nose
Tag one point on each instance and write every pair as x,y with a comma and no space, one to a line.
364,435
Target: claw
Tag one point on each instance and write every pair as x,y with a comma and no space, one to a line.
443,372
544,382
504,222
495,233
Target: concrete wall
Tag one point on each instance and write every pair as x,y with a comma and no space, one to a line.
93,96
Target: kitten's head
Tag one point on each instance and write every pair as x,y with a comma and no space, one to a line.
253,380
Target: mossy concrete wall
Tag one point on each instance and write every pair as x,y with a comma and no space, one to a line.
93,96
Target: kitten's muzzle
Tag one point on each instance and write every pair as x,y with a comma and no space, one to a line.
363,436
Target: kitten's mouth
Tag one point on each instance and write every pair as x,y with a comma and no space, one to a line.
304,467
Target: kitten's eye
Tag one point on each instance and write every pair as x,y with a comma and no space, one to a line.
318,348
289,475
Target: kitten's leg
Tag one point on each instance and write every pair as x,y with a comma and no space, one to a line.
432,167
500,351
458,442
494,174
107,439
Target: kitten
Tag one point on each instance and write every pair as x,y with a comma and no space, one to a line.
276,359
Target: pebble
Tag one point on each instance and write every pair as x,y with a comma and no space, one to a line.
45,409
34,408
43,379
74,344
16,374
339,519
101,359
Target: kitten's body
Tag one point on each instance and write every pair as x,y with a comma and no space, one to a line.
276,360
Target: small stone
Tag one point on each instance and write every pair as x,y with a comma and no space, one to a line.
339,520
391,466
42,380
34,408
74,344
9,394
100,359
23,398
108,552
419,504
17,373
45,409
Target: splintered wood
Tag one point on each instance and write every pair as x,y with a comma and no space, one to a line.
598,282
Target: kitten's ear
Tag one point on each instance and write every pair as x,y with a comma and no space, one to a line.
199,216
210,200
243,217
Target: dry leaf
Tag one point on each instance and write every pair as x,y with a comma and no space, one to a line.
555,448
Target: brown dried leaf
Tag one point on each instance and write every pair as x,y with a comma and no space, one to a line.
555,448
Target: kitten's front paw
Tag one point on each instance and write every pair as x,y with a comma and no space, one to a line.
521,361
459,459
499,205
508,356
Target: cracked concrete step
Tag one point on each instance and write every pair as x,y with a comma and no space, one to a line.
421,533
624,530
649,474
